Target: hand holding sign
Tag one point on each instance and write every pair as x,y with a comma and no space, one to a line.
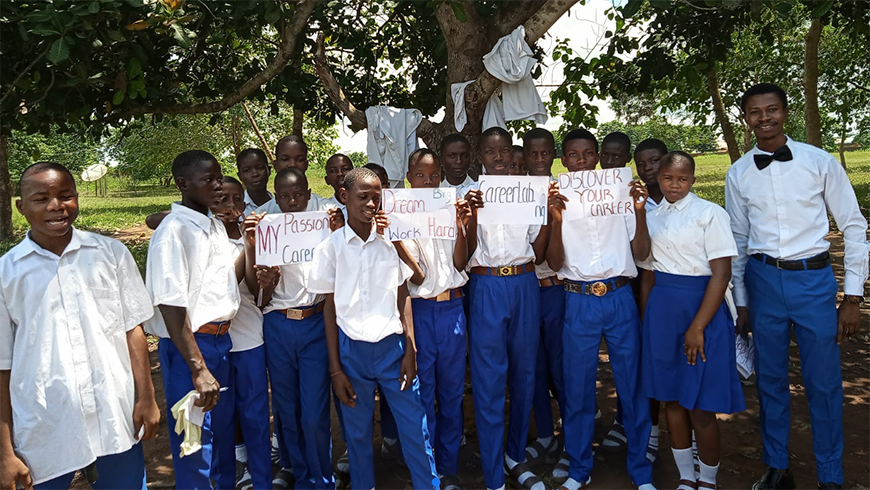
595,193
514,200
556,202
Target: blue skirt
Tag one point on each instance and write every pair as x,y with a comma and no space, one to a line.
666,375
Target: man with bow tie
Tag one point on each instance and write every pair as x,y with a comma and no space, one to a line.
778,196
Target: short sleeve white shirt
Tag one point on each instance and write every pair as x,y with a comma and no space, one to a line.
435,257
251,206
364,277
63,334
191,264
499,245
461,189
292,289
598,248
247,327
688,234
650,206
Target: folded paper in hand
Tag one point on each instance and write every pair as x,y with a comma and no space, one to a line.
745,355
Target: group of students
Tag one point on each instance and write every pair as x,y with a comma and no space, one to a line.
526,305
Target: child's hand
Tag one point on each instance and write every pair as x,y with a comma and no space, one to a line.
208,388
408,370
463,212
267,277
556,202
381,222
474,198
249,227
14,472
336,219
695,345
231,216
146,414
742,320
343,389
639,194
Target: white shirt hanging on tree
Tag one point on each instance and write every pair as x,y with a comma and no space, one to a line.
392,136
492,116
511,61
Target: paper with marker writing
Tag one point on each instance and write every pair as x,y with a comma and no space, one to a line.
513,200
290,238
596,193
420,213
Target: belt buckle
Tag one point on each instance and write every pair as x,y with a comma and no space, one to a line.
506,270
777,263
294,314
599,289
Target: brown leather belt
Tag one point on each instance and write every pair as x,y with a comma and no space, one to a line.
596,288
448,295
819,261
550,281
302,313
505,270
215,328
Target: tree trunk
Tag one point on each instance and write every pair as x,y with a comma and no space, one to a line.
747,138
843,134
722,115
812,117
298,120
5,191
257,131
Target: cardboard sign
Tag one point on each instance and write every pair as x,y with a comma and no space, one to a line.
290,238
513,200
595,193
420,213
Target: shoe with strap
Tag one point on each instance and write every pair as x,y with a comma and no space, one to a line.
774,479
537,453
523,475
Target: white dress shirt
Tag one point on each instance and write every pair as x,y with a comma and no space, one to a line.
191,264
247,327
461,189
650,206
63,334
598,248
499,245
688,234
364,277
292,289
782,212
435,257
251,206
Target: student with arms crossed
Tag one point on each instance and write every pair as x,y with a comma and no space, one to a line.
778,196
74,370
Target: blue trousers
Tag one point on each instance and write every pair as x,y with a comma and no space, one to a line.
549,359
217,459
377,365
780,300
503,342
114,472
299,373
587,318
252,411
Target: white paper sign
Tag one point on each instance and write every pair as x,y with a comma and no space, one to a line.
290,238
513,200
420,213
595,193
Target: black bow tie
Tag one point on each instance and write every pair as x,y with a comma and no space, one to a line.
783,154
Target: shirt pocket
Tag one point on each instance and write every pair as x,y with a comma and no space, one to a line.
107,308
386,274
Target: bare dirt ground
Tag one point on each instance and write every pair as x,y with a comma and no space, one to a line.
741,439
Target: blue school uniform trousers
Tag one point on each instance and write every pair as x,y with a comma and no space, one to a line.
217,458
503,343
114,472
377,365
805,300
549,360
298,362
252,411
587,318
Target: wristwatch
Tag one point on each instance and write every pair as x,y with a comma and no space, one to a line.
855,300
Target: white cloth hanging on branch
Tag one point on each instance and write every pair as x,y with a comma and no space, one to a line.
493,115
392,136
511,61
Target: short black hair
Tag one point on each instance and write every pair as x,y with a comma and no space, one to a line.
40,167
292,138
453,138
232,180
291,174
251,151
340,155
579,134
184,162
496,131
677,158
518,148
620,139
539,134
418,155
763,88
651,144
358,174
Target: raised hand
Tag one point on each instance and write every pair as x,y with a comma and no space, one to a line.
639,194
556,202
381,221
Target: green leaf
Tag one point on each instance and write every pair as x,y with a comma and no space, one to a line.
59,51
459,11
819,9
44,31
631,8
119,97
179,34
115,35
94,7
134,68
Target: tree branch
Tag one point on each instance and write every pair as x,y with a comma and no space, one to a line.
330,84
858,86
24,72
515,14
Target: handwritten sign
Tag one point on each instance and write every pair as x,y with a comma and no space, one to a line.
290,238
595,193
420,213
514,200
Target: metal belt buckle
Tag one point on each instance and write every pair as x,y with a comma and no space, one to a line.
599,289
294,314
506,270
777,263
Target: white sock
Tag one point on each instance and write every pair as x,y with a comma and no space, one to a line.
654,437
647,486
274,441
528,474
510,463
241,453
708,473
544,441
683,459
560,473
390,441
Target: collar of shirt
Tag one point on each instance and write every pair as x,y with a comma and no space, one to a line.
28,246
349,234
756,150
468,181
202,221
679,205
250,202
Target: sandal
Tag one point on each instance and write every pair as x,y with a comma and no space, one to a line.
688,484
652,454
615,440
537,453
582,485
703,484
452,482
342,466
563,466
523,475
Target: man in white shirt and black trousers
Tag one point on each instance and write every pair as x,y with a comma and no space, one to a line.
778,196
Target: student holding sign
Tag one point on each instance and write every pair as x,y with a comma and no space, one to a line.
595,255
505,318
296,344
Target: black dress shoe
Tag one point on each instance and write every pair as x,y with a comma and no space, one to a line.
773,479
830,486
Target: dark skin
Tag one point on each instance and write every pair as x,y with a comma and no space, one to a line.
363,217
613,155
518,165
648,162
49,202
291,154
580,155
539,155
766,116
336,168
254,173
456,158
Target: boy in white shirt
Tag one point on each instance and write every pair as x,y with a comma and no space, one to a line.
292,151
455,153
193,275
74,368
253,170
337,166
370,333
